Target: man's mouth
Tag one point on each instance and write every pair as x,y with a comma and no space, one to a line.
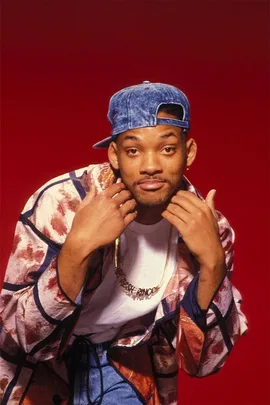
151,184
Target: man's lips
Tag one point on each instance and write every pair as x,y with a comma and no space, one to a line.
151,184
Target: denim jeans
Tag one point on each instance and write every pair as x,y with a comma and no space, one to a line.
96,380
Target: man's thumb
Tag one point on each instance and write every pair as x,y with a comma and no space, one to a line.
210,201
89,196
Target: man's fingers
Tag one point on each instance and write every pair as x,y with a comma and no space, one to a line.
114,189
128,207
178,211
130,217
187,200
122,197
173,219
192,203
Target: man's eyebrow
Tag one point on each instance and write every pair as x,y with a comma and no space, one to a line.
165,136
131,138
136,138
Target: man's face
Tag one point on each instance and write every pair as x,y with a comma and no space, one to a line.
151,161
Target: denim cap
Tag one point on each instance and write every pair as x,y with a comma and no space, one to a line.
137,107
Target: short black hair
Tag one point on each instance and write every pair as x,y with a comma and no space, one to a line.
173,109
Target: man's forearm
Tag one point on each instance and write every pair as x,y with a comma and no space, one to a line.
72,270
209,280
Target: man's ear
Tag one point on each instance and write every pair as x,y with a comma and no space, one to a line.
191,148
112,155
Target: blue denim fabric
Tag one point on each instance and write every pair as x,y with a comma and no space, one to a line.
137,107
116,390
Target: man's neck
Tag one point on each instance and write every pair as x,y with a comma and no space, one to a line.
149,215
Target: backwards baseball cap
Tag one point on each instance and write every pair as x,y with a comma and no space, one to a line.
137,107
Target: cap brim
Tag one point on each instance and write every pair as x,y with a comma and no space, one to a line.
104,143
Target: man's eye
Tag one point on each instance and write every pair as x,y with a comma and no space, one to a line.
169,150
132,151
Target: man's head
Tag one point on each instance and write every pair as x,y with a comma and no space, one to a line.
148,143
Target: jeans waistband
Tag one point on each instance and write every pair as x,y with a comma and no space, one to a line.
99,348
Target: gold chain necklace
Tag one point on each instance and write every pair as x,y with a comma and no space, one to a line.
137,293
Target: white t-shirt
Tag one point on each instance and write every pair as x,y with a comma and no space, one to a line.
143,250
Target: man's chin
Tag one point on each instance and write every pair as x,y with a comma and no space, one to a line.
151,200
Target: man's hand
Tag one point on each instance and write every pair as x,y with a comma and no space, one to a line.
99,220
197,224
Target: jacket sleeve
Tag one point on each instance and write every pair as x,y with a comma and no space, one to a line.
206,338
36,315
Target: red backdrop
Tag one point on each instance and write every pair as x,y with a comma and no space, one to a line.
61,61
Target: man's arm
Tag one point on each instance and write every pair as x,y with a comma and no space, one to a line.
35,311
196,221
38,306
206,338
211,320
99,220
217,329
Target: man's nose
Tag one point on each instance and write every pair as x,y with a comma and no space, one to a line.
150,164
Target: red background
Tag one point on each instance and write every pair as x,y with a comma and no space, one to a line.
61,61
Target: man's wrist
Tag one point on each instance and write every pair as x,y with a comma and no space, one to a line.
75,252
210,278
214,265
72,269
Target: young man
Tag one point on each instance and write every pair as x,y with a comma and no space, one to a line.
120,272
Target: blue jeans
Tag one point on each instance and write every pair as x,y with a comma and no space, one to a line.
96,381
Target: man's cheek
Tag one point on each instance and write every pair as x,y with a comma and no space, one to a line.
128,183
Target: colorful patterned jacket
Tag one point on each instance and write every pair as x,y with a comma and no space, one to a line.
38,318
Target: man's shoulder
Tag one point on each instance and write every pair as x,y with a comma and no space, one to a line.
76,182
53,206
72,177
